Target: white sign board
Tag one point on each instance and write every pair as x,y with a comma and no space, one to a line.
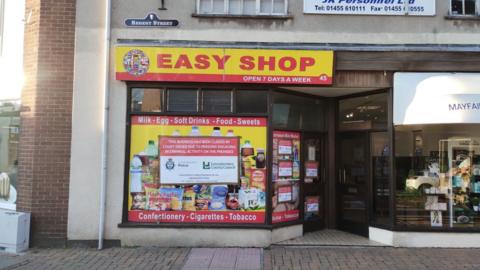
199,160
436,98
371,7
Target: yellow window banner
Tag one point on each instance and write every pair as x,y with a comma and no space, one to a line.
224,65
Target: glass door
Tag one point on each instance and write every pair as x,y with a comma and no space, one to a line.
352,182
313,181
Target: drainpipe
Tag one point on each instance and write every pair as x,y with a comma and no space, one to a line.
106,90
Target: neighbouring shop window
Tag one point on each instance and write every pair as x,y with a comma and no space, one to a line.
464,7
242,7
147,99
9,137
363,113
298,112
251,101
286,176
176,164
438,175
217,101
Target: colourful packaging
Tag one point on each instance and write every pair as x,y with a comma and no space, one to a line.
219,196
189,200
257,179
152,197
172,198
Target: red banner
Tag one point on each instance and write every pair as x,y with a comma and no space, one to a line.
286,135
198,121
197,217
285,216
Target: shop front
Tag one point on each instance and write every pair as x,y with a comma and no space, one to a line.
213,142
229,147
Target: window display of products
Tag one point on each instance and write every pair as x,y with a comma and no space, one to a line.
440,183
152,200
286,176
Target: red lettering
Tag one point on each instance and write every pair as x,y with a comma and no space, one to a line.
247,63
306,62
202,61
283,63
262,63
164,61
183,61
221,61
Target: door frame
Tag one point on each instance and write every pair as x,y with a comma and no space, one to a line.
336,157
323,183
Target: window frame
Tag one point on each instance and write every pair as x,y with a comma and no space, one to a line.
226,11
2,25
477,9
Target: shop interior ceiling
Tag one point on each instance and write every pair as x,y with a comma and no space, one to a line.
329,91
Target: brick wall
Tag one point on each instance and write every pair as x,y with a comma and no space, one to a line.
44,154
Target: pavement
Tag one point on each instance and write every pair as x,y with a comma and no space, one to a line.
326,249
276,257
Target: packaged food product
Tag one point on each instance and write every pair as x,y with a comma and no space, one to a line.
138,201
219,196
153,200
232,201
248,199
189,200
172,197
258,178
202,196
201,204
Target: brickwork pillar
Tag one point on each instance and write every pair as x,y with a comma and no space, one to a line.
44,152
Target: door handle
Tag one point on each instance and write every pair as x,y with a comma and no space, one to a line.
324,175
344,176
339,176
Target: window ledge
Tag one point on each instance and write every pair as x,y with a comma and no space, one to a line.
463,17
231,16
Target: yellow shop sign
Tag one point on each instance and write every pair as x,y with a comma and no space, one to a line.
224,65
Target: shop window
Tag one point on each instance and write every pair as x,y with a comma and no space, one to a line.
230,185
464,7
147,100
252,101
242,7
182,100
298,112
363,113
9,137
217,101
437,175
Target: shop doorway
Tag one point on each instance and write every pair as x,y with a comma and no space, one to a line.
314,171
362,123
352,182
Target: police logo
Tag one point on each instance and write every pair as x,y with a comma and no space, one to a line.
170,164
136,63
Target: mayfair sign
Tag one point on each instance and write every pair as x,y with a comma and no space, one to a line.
371,7
224,65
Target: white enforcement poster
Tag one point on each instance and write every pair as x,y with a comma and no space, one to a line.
371,7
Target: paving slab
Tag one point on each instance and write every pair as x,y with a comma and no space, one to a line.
224,259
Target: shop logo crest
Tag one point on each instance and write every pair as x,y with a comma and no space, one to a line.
170,164
136,63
